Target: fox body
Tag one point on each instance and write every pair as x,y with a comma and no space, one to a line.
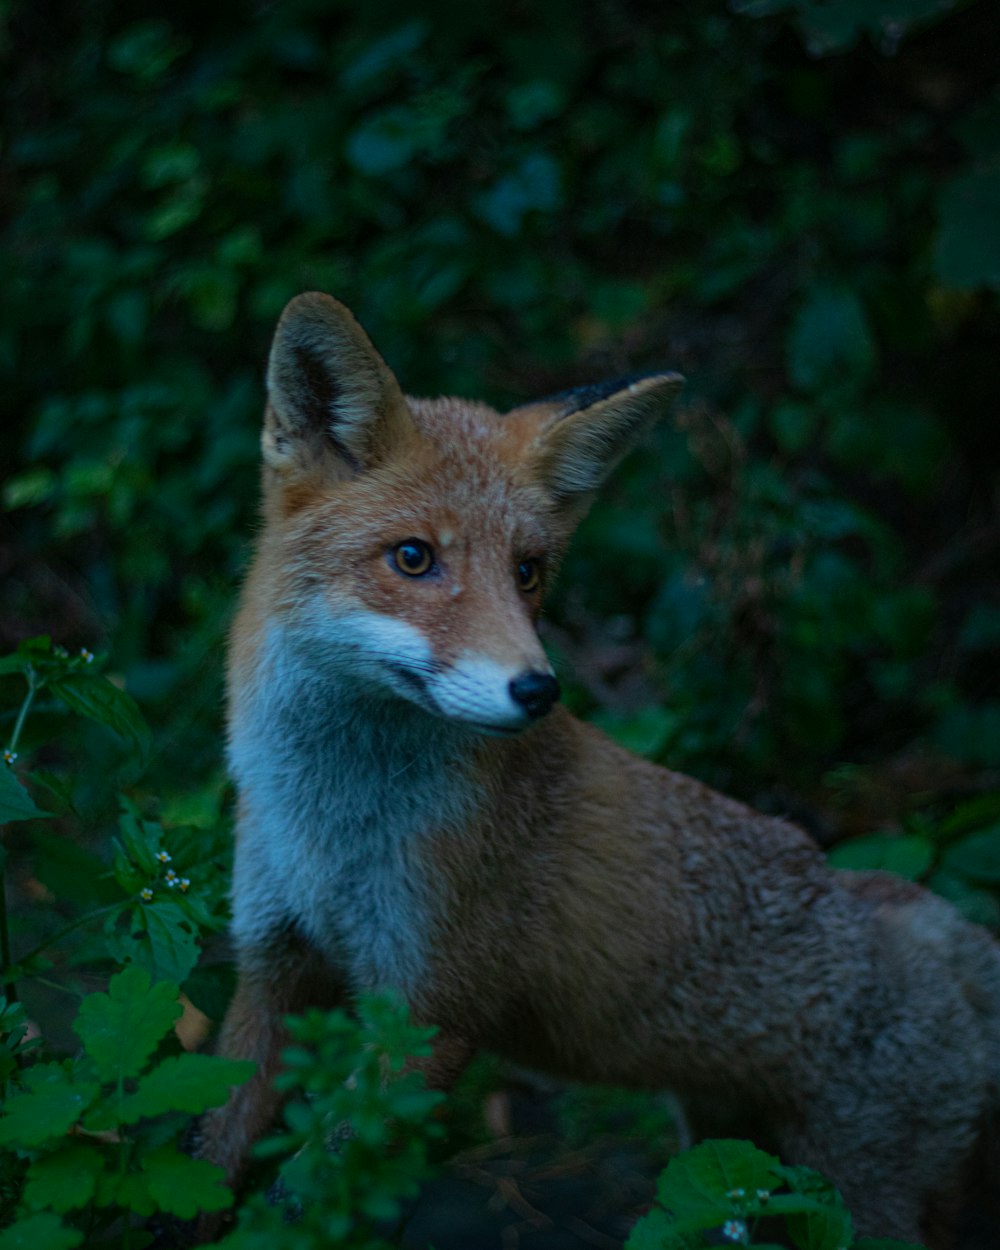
415,811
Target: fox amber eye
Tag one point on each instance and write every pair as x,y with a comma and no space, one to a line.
413,557
528,576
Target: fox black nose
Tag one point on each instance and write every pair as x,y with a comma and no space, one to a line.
536,692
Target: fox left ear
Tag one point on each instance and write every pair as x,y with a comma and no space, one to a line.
331,396
585,432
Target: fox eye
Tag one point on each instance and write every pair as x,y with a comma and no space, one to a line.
528,576
413,557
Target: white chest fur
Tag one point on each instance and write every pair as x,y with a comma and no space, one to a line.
341,791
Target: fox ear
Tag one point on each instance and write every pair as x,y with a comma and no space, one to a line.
585,432
328,389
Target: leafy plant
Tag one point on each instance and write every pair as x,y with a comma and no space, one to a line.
731,1193
99,1131
958,856
163,890
357,1135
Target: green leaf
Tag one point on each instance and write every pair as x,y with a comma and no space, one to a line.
122,1028
909,855
39,1232
968,244
812,1225
696,1183
976,904
15,802
976,856
33,486
646,731
885,1243
830,343
190,1083
169,948
49,1105
93,696
65,1179
184,1186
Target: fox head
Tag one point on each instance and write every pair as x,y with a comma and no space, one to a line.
412,540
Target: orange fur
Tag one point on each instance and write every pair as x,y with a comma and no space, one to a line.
534,888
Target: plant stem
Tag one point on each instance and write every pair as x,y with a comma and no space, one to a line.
33,688
76,924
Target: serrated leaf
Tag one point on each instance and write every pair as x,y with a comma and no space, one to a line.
190,1083
122,1028
696,1182
93,696
131,1191
15,802
49,1105
39,1232
169,948
184,1186
657,1231
65,1179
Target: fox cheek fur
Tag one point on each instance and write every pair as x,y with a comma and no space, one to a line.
416,810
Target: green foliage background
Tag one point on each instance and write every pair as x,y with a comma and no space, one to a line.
792,592
792,203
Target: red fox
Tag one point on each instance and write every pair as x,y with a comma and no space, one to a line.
416,810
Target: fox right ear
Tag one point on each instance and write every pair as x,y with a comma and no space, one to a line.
328,390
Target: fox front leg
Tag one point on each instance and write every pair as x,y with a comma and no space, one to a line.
275,980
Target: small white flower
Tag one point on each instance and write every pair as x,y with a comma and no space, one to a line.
146,894
735,1230
184,883
763,1196
163,857
171,875
9,756
86,656
735,1195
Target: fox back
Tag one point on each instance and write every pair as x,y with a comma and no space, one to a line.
417,811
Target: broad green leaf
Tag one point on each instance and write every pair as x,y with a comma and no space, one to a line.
49,1105
93,696
15,802
646,731
968,244
657,1231
190,1083
170,948
812,1224
65,1179
909,855
976,856
39,1232
696,1183
130,1190
830,343
184,1186
122,1028
977,904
